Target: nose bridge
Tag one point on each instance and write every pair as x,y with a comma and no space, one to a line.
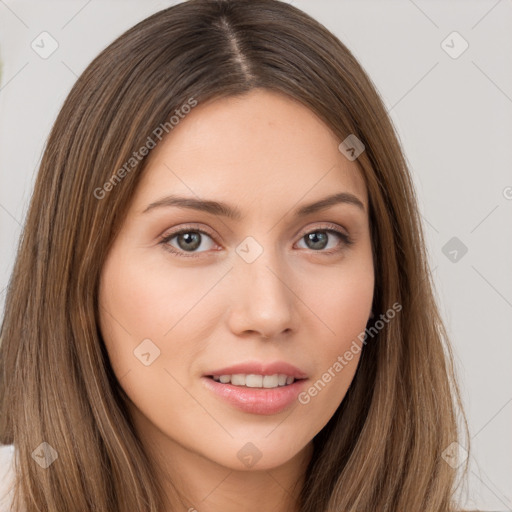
262,266
263,293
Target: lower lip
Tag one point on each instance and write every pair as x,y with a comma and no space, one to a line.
257,400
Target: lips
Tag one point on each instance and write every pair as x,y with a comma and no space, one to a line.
257,400
260,368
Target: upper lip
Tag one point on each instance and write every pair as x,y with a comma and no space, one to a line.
259,368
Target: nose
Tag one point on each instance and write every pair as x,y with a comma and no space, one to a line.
263,300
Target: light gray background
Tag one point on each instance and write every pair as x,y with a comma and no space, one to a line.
454,118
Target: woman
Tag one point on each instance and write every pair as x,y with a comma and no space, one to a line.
222,298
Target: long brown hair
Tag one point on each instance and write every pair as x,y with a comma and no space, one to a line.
383,448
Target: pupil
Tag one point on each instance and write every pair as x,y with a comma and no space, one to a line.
313,237
193,238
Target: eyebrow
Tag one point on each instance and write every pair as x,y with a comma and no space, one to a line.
225,210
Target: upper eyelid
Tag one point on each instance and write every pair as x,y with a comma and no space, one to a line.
187,228
328,226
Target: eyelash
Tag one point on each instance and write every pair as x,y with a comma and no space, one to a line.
328,228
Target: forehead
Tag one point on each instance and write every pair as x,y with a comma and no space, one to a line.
262,148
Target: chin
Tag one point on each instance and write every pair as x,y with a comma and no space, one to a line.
257,455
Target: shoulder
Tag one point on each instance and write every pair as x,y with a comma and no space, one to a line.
6,476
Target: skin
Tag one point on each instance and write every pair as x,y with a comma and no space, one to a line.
265,154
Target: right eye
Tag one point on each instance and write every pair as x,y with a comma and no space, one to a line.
188,240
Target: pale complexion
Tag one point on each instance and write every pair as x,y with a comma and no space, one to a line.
265,155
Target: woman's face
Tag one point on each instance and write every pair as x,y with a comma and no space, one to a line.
267,285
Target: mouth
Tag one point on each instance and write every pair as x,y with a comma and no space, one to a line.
257,387
256,394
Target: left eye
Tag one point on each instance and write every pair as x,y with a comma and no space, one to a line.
319,238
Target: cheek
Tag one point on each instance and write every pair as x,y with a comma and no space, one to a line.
343,310
144,319
148,298
348,305
342,300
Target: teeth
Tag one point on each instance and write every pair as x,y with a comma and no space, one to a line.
255,381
